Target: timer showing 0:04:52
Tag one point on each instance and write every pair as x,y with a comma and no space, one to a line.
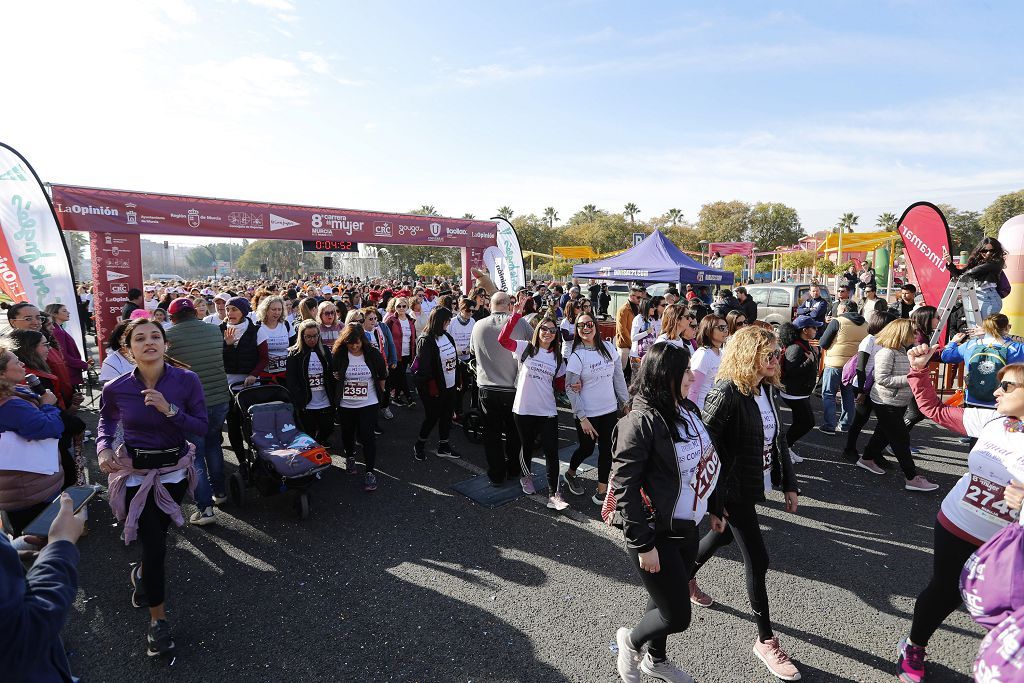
329,245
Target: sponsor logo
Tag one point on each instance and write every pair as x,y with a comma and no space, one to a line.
709,277
88,210
483,235
14,173
411,230
245,220
455,232
118,300
631,272
193,218
435,229
912,240
130,216
280,223
382,230
114,275
119,288
700,276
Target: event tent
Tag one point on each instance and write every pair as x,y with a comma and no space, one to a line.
655,259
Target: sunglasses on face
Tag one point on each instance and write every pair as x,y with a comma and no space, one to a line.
773,356
1007,386
987,251
330,313
401,306
693,326
547,328
722,328
585,325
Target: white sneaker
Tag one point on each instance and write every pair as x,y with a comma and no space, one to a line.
388,415
628,663
794,458
664,670
202,517
556,502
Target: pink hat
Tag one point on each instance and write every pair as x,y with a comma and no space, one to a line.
138,313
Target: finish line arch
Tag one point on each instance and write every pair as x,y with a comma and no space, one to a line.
115,219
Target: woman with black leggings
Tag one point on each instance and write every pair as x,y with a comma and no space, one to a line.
743,421
877,320
800,374
437,365
663,451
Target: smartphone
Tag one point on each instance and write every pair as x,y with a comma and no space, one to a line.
80,495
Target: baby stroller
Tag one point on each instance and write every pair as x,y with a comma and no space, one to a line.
472,419
278,456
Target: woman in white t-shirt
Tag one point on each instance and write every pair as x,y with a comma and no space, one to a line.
597,390
711,335
310,381
678,327
534,408
461,330
277,333
360,373
877,320
437,377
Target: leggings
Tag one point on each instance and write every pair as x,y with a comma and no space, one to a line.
529,427
860,418
362,420
743,525
234,422
892,430
153,524
668,607
437,410
318,423
942,594
803,419
604,424
398,381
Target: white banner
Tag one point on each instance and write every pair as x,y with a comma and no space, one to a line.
508,245
34,263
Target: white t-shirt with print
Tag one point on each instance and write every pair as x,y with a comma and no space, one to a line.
406,336
318,390
698,465
764,404
277,346
705,361
449,359
461,334
597,390
535,392
358,390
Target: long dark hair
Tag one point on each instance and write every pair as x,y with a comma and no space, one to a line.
556,344
999,254
599,344
788,334
658,382
24,344
114,342
438,317
922,317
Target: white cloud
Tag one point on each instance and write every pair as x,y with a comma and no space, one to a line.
281,5
244,84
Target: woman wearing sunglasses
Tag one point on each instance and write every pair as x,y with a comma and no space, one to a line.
711,335
534,409
360,372
985,266
330,323
403,332
736,320
597,390
985,499
742,418
437,378
678,327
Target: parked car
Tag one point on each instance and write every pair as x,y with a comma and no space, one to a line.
777,302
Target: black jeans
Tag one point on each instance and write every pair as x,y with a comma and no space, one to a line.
361,420
530,426
803,419
234,422
893,431
942,594
153,524
744,526
437,410
860,418
668,607
318,423
604,424
502,460
398,380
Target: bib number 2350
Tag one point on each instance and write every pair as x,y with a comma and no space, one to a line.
356,390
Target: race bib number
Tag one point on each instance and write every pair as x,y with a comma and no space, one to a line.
985,499
354,389
277,364
766,457
449,364
316,381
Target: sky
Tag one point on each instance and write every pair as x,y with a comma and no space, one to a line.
828,107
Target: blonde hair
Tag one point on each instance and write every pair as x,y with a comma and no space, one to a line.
265,303
996,324
897,335
742,357
394,301
324,305
308,308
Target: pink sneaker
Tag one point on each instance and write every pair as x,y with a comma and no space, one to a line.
776,659
919,483
699,597
556,502
527,484
870,466
910,662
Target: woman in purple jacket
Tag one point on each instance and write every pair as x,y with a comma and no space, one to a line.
72,357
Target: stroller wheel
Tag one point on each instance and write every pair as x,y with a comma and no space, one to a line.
302,505
236,489
473,427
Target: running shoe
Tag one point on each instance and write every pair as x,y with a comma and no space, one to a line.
573,483
445,450
527,484
158,639
138,589
776,659
556,502
419,451
699,597
202,517
598,497
399,401
388,415
370,482
350,465
870,466
410,402
916,449
794,457
377,431
919,483
628,663
220,498
910,662
664,670
831,431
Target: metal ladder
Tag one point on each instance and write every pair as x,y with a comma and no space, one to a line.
964,290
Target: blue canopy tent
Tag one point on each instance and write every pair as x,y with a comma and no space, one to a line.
655,259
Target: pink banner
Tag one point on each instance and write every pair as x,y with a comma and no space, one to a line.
726,248
926,245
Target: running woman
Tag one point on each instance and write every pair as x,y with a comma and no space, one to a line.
597,390
361,372
799,375
403,332
663,451
985,500
711,335
534,409
310,382
742,418
437,377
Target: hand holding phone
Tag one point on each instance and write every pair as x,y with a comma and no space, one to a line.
69,524
60,516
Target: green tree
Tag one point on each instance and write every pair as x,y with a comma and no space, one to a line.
846,222
675,216
551,216
590,212
796,260
534,233
468,216
686,237
825,267
425,269
426,210
723,221
735,264
607,232
631,210
279,256
77,243
774,225
558,269
886,221
444,270
965,230
505,212
1001,210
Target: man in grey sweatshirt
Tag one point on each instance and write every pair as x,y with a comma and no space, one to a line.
496,371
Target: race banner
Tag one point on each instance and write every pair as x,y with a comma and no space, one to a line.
34,262
512,254
926,240
727,248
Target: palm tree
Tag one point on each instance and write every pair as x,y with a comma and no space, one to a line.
846,222
886,221
551,215
505,212
631,210
427,210
590,212
674,216
468,216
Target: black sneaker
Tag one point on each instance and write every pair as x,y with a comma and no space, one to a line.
138,589
419,450
444,450
159,638
572,483
831,431
410,402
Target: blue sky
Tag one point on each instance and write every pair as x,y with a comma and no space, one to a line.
828,107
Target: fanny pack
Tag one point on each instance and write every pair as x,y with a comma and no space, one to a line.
153,458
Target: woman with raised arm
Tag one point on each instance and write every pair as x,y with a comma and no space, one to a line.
984,266
985,499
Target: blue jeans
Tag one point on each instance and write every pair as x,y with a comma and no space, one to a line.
989,303
831,384
210,456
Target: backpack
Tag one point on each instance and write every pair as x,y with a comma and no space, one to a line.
982,367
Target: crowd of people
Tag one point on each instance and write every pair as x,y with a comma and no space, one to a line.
681,403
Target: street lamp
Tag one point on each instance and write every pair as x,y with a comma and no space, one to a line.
704,252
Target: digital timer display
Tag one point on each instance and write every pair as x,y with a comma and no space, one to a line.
329,245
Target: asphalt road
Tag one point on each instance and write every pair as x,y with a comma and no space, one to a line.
417,583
